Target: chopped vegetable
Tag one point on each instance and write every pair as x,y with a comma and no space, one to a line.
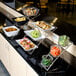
63,40
55,51
35,34
46,61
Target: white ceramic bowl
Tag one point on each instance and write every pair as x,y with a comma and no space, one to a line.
11,33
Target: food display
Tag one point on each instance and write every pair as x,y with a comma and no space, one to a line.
11,31
43,25
46,61
35,34
19,19
55,51
63,40
30,11
26,44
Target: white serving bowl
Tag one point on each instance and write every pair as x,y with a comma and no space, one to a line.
11,33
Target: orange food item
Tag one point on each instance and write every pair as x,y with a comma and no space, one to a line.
55,51
10,29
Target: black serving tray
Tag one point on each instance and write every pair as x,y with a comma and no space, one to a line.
20,22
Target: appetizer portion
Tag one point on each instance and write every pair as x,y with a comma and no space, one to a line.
43,25
19,19
26,44
10,29
63,40
30,11
35,34
46,61
55,51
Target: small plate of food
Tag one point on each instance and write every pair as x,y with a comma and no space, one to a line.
35,34
20,20
55,50
42,25
26,44
64,41
11,31
30,11
47,62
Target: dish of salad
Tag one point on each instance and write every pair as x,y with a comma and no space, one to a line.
55,51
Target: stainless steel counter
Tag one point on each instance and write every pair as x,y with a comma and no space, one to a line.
9,12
